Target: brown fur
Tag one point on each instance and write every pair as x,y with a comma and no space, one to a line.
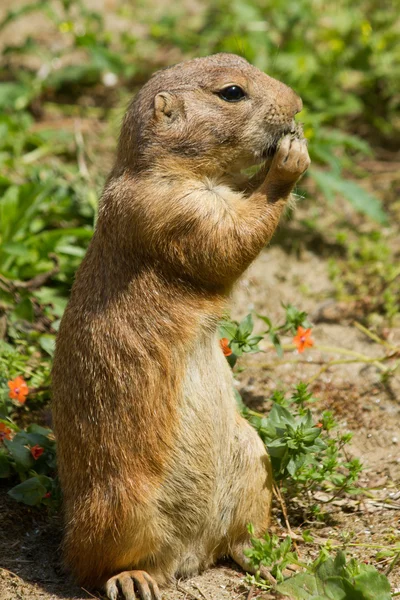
158,470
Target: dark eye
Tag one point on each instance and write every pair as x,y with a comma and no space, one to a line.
232,93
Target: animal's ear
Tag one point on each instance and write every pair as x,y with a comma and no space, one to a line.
168,107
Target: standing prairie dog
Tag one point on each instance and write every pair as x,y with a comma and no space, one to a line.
160,474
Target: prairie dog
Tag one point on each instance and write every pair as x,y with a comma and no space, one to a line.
160,474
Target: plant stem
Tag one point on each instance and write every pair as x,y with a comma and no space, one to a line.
251,593
392,565
347,352
345,361
278,494
373,336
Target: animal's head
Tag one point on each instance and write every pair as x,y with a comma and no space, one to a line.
213,114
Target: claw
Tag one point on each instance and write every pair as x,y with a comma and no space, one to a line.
290,160
146,586
143,587
111,589
153,586
127,588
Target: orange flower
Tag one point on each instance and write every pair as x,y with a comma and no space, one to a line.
37,451
303,339
18,389
224,343
5,432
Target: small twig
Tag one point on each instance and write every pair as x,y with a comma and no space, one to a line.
91,595
357,356
200,590
34,283
19,560
347,361
383,505
335,495
289,361
184,590
265,574
373,336
318,541
332,350
393,564
251,592
36,390
299,538
80,147
278,494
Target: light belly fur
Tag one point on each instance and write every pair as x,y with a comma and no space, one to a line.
199,497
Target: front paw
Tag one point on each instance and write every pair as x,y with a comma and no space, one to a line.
291,159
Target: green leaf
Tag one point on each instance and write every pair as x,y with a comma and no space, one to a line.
55,234
14,95
8,211
339,562
29,492
21,455
33,438
35,428
307,537
364,202
107,60
286,545
232,359
5,469
266,320
311,434
71,250
372,584
351,141
330,568
337,588
14,249
276,449
301,587
24,310
228,329
77,74
253,341
332,580
245,327
236,348
280,416
47,343
274,337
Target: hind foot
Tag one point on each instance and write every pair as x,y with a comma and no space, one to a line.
238,555
123,584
